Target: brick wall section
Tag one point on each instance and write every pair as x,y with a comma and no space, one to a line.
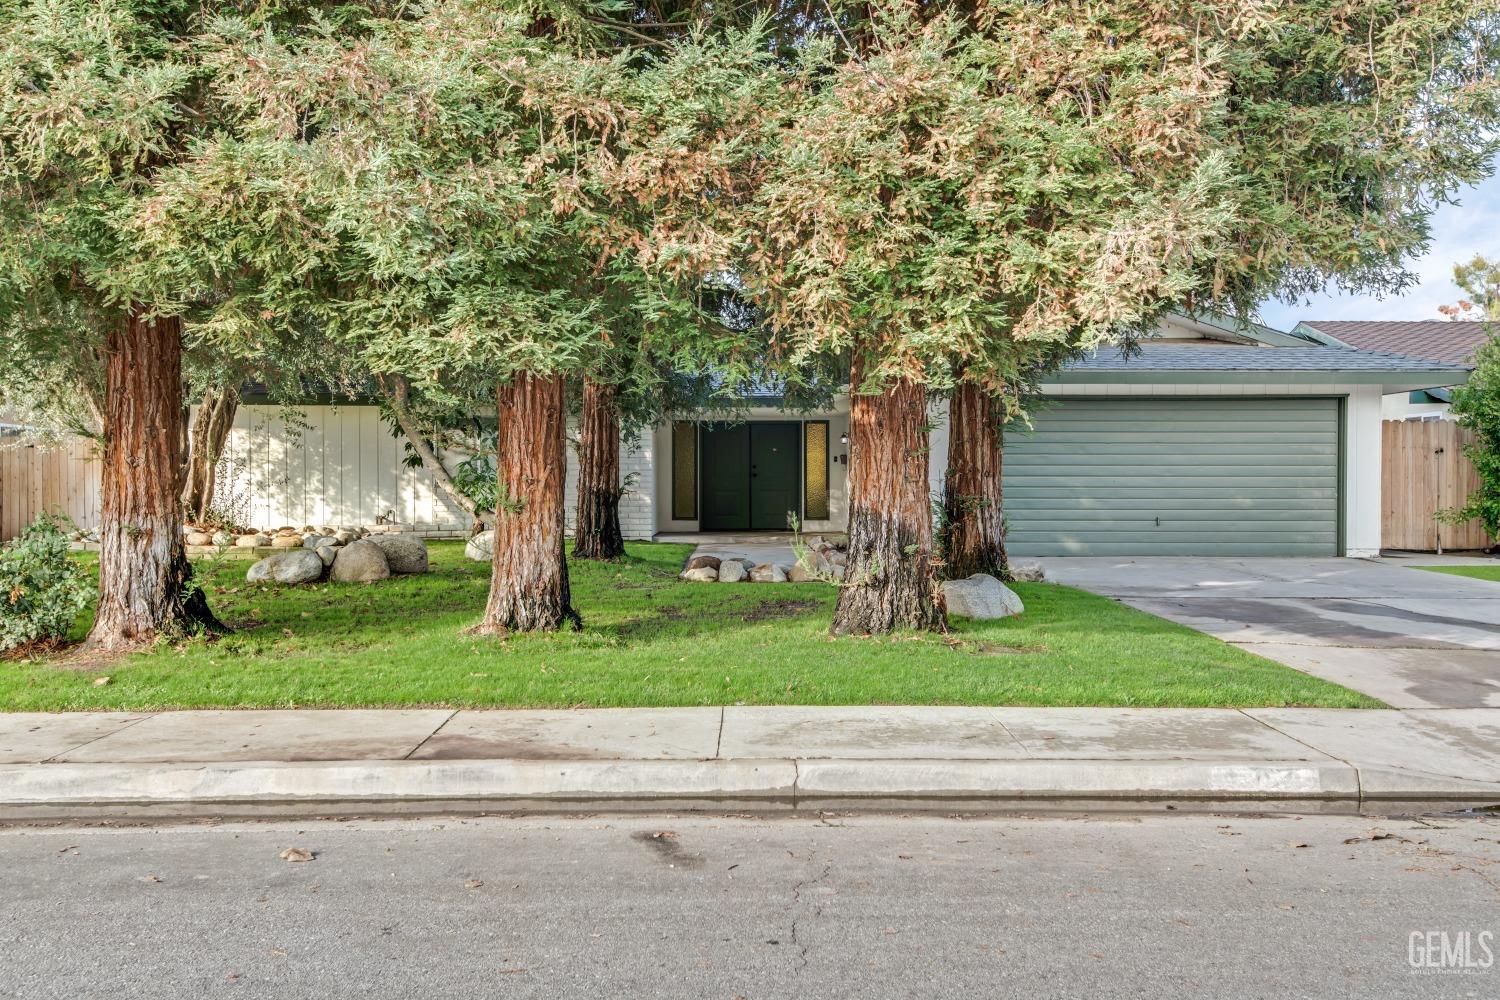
638,505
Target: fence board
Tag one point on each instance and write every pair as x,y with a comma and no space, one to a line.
56,479
1424,470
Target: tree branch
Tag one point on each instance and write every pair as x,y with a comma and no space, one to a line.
396,393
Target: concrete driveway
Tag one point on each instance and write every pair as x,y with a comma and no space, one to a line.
1411,638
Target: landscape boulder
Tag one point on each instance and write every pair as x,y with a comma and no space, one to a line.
359,562
982,597
704,562
404,553
286,542
701,575
481,547
1029,573
768,573
198,538
327,553
223,538
312,541
252,541
293,566
732,571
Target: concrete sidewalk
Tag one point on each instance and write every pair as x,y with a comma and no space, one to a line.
348,762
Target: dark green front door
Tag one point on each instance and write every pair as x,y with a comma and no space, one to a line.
775,482
751,475
725,451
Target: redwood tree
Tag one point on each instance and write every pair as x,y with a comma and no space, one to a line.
97,100
597,532
973,511
980,189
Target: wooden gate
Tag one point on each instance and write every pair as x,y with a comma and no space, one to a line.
1423,470
59,479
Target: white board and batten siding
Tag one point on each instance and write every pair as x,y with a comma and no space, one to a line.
332,465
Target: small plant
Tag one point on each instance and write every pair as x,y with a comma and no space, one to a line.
41,589
230,508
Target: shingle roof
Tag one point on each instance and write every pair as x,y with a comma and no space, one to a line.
1439,340
1175,357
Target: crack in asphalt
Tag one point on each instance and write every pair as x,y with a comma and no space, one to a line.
802,949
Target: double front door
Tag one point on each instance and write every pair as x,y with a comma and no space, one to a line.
752,475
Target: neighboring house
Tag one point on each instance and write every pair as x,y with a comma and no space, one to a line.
1215,439
1453,342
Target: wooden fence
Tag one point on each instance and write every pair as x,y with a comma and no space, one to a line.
1423,470
59,479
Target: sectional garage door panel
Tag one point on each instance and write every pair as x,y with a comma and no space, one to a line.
1220,477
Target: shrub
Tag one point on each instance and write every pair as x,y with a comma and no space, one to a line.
41,589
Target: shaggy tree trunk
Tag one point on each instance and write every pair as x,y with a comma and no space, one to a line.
974,535
211,426
529,574
145,584
888,582
598,533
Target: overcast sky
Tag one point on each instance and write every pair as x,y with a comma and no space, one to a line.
1458,233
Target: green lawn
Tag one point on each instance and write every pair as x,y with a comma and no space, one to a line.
1477,572
652,640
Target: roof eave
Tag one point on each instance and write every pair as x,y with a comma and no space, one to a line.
1389,381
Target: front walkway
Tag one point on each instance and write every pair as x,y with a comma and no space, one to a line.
1411,638
314,762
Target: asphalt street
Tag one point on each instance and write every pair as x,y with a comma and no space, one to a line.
724,907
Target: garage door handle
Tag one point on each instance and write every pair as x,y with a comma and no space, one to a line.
1158,522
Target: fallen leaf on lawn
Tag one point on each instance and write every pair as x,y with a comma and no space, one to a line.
1296,843
70,847
150,878
296,854
101,681
664,835
473,883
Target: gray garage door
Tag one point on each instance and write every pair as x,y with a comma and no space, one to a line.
1106,477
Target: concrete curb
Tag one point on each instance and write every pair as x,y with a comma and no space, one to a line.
95,791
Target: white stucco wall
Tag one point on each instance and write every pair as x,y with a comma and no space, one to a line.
1398,406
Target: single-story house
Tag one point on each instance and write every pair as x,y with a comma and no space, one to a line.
1452,342
1217,438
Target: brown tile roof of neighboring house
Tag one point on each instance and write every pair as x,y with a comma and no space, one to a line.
1438,340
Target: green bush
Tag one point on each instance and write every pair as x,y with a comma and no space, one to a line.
41,589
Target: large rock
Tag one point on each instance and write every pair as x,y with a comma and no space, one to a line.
768,573
222,538
732,571
1029,573
344,535
327,553
801,574
405,553
292,566
481,547
981,596
312,541
359,562
703,562
252,541
286,542
701,575
198,538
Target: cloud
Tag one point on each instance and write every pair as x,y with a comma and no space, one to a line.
1458,233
